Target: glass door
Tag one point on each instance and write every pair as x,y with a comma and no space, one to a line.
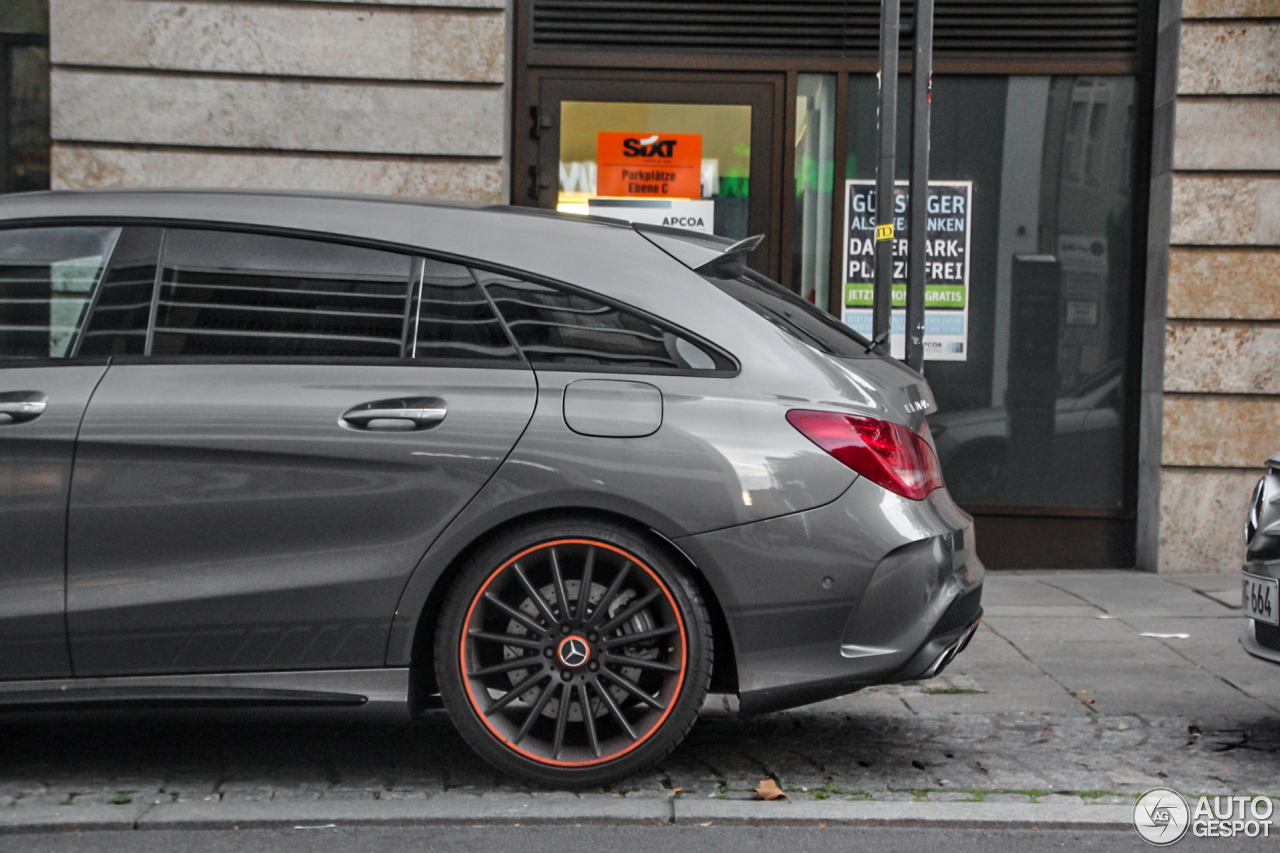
695,155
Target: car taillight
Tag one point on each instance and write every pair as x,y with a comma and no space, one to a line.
885,453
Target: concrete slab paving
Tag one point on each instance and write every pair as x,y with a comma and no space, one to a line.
1035,631
1125,681
1058,611
1023,588
1135,593
1214,646
1208,581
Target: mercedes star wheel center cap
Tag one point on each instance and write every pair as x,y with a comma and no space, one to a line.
573,652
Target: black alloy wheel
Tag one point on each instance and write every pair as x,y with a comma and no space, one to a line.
573,653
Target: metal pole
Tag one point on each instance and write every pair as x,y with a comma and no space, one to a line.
882,292
921,97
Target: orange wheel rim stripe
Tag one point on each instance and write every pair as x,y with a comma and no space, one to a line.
684,654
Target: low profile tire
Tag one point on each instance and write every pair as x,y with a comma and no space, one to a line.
563,688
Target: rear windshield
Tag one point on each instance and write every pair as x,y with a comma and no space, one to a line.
794,315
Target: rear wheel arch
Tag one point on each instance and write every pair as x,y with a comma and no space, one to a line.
422,686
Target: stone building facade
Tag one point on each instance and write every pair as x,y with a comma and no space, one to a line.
1221,386
374,97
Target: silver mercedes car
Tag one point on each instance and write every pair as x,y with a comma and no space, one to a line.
1260,577
368,456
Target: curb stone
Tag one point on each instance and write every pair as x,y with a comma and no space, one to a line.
454,809
559,808
52,817
888,813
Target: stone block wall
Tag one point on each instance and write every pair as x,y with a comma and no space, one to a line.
404,97
1222,334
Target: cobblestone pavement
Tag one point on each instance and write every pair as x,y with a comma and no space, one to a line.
1058,699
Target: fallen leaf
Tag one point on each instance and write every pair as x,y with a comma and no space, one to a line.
769,790
707,823
677,790
1124,727
1086,701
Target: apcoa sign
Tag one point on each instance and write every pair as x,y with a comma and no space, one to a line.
649,165
690,214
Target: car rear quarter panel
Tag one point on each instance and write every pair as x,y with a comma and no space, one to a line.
724,456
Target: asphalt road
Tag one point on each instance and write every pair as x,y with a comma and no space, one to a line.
595,838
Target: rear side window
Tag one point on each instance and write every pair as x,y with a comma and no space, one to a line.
227,293
453,319
122,309
47,279
798,317
559,327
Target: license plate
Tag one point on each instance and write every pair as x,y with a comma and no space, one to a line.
1259,596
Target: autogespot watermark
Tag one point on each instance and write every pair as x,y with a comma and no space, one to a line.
1162,816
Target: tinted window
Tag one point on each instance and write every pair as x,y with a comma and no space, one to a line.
225,293
559,327
47,277
118,323
454,319
1050,271
796,316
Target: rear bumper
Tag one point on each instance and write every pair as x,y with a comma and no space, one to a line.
870,589
929,660
1267,647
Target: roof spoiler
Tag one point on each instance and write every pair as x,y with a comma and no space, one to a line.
703,253
733,262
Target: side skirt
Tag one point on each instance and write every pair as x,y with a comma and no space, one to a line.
364,693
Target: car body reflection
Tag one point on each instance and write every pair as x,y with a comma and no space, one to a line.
978,453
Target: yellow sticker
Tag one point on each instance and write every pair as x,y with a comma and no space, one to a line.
884,232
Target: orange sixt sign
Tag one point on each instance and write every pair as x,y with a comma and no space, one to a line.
657,165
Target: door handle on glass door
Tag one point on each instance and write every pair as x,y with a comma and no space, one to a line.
402,415
19,406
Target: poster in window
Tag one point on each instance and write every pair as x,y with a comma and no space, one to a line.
946,259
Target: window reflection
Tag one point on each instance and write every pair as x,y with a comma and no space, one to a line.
716,203
814,170
28,108
1035,416
24,95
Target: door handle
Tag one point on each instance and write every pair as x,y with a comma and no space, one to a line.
404,415
20,406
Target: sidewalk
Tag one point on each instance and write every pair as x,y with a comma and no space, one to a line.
1057,715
